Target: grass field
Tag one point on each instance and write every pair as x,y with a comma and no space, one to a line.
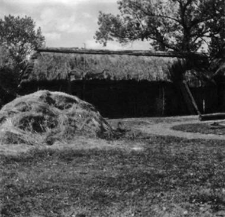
164,176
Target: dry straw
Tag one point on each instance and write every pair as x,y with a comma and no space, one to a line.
46,117
51,66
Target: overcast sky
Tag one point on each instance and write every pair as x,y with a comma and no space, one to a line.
66,23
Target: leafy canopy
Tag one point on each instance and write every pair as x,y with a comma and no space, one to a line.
176,25
20,37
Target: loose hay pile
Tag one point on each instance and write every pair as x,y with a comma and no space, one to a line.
45,117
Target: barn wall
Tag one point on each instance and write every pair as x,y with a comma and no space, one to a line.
208,98
132,98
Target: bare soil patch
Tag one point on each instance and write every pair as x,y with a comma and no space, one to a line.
216,128
189,127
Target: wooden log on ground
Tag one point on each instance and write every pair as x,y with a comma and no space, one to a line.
213,116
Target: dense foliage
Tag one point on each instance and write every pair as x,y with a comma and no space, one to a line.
177,25
19,37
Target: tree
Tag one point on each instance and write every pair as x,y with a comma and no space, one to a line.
19,37
217,28
174,25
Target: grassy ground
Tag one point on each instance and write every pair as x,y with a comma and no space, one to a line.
166,176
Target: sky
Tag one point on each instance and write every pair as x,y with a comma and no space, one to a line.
67,23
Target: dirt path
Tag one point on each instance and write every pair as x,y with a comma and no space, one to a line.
153,126
163,127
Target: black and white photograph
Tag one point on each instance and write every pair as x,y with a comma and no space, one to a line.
112,108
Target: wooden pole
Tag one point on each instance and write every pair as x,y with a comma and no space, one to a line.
191,97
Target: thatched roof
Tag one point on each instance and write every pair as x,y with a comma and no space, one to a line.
57,63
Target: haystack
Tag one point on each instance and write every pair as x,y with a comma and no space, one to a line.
45,117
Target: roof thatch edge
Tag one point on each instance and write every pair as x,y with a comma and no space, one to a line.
120,52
